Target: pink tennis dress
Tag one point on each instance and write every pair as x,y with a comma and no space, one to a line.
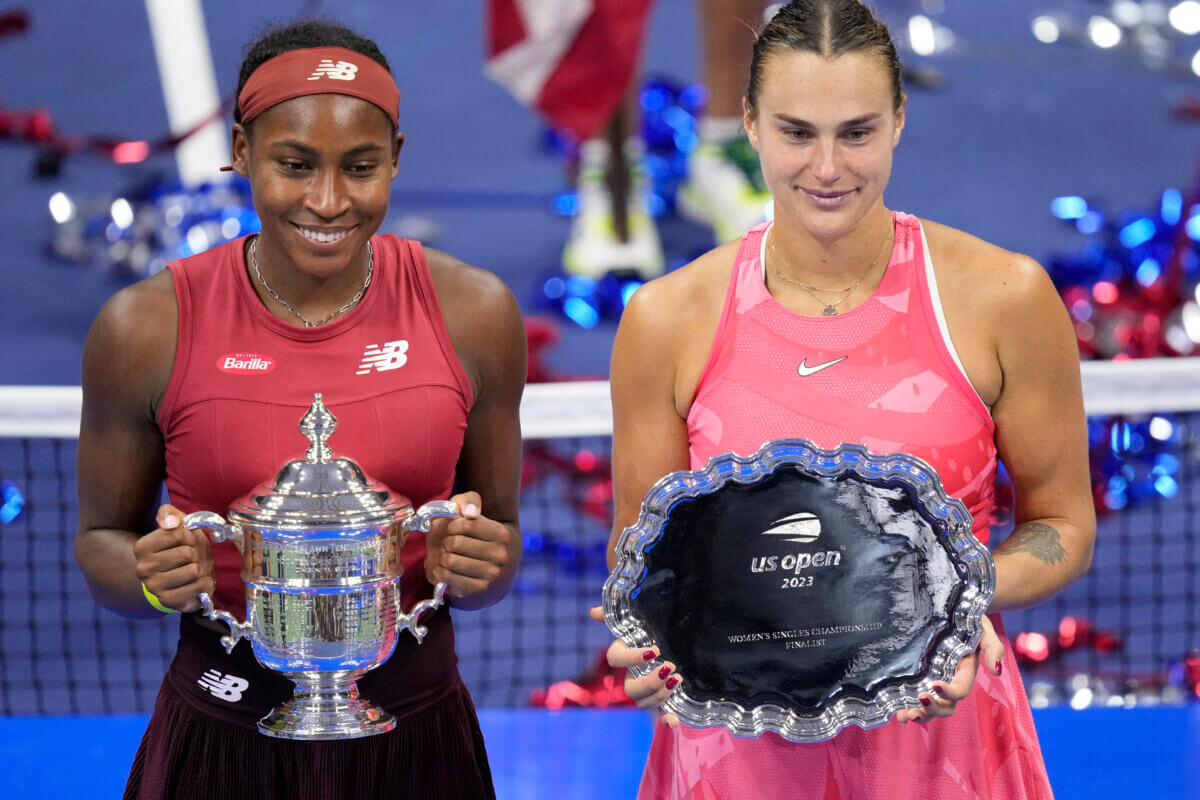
884,374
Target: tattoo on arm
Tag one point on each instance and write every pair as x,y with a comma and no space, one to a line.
1039,540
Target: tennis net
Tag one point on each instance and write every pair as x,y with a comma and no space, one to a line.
1128,632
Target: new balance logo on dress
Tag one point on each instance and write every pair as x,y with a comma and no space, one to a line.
339,71
224,687
381,358
804,370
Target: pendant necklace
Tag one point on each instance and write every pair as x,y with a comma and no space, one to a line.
830,309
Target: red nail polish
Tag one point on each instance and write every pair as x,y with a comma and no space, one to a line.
664,672
925,701
648,655
940,691
671,684
999,666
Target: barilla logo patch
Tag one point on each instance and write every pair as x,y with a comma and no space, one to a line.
245,363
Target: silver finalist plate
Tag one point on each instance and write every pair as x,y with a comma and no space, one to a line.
801,590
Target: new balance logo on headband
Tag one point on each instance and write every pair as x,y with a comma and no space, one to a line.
224,687
339,71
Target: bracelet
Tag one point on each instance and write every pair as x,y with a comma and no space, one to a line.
154,601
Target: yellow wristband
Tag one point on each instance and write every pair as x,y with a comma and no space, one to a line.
154,601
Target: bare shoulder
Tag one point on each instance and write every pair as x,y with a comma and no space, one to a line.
460,282
483,319
668,327
976,273
149,302
1004,314
683,303
130,348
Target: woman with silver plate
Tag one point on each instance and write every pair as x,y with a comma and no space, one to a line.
845,322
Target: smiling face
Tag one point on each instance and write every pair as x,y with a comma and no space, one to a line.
320,169
824,129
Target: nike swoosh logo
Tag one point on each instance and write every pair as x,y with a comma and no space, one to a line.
804,370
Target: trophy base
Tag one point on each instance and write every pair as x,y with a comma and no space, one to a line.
326,705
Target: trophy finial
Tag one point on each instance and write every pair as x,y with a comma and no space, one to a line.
318,425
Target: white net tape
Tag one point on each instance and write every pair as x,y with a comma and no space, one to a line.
583,408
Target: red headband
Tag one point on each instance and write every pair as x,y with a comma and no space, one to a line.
319,70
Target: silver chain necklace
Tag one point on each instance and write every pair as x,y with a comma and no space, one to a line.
830,309
307,322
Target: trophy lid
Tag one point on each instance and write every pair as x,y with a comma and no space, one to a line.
319,490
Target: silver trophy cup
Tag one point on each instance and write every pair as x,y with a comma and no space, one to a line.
321,562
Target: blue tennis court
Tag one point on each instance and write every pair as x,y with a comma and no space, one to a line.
1115,754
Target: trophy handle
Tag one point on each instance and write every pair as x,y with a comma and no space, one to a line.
409,620
220,532
237,630
215,523
419,520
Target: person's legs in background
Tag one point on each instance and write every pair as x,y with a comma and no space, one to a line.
724,188
614,231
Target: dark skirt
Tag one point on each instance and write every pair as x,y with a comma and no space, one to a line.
435,753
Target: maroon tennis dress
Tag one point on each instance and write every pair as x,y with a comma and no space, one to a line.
241,382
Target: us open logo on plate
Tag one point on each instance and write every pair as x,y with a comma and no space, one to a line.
245,363
803,528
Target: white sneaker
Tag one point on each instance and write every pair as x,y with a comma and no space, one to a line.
593,249
724,189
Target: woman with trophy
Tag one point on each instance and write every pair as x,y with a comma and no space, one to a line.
853,326
199,375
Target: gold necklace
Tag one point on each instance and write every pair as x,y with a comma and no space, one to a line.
830,309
